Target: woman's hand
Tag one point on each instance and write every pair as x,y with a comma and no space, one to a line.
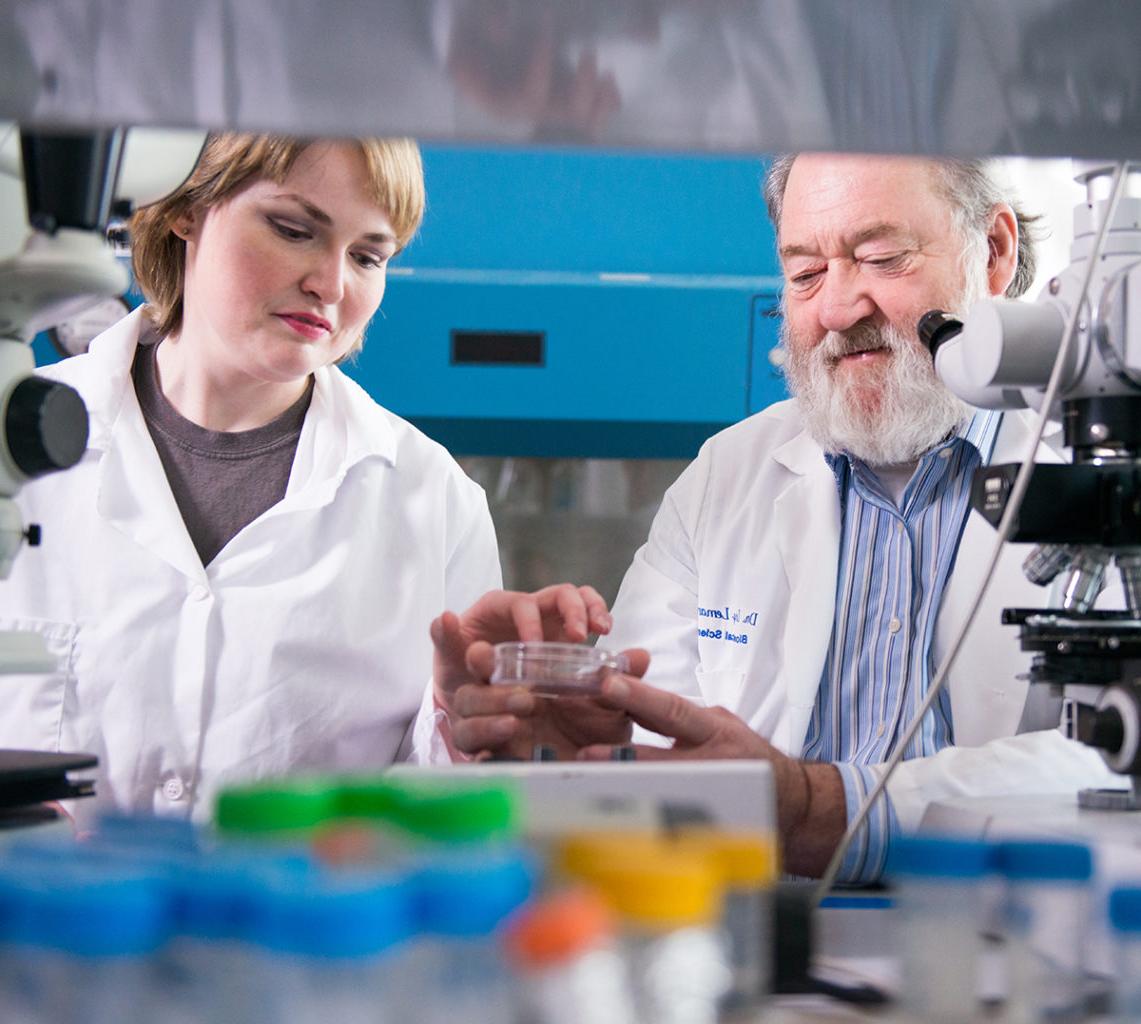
508,721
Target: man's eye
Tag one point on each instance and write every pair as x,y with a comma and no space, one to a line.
887,262
370,260
804,278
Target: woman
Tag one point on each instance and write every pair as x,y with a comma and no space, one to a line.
239,576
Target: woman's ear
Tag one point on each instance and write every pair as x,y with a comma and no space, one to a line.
1002,249
185,225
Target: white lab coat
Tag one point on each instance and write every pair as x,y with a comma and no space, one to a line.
751,531
303,646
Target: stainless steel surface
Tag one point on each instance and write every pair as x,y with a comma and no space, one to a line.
1037,77
573,520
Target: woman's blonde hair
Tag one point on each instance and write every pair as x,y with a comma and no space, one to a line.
229,162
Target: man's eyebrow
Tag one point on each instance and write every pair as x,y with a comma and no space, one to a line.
787,251
881,229
321,217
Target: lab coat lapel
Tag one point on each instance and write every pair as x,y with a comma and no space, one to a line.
135,497
343,426
807,525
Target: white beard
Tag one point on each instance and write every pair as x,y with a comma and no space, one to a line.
914,411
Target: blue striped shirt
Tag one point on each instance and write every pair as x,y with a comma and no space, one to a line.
894,567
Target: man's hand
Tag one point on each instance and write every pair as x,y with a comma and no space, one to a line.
811,809
509,721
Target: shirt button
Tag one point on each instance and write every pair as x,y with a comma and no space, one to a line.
894,625
199,592
881,729
945,453
173,789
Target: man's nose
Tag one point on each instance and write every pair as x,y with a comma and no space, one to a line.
325,278
843,300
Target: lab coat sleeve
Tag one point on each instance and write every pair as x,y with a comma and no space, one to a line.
1032,762
472,570
656,607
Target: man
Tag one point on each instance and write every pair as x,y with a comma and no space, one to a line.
796,591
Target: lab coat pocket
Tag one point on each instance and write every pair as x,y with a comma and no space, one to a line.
33,701
720,687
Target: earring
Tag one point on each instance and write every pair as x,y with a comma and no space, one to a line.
182,227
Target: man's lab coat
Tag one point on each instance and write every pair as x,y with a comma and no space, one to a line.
734,594
302,647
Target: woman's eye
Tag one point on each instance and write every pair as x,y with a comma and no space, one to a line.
289,231
370,260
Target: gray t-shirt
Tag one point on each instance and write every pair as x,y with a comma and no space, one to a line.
221,480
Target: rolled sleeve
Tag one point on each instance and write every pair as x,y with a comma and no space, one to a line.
865,858
429,745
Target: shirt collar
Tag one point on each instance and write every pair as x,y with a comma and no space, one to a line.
980,432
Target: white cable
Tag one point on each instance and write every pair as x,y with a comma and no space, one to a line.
1017,493
9,162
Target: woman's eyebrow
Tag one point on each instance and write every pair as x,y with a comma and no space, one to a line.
315,212
319,215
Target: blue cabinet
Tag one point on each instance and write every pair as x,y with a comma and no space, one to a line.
580,304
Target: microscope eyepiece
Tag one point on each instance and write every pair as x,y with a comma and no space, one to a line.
937,327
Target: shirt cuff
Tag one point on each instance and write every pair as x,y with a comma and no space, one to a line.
431,733
865,858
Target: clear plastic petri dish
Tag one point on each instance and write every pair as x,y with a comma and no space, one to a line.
555,669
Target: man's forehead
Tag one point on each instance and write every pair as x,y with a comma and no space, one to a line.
855,199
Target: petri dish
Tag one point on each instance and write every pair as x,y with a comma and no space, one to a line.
555,669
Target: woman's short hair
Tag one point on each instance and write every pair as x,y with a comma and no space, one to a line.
228,163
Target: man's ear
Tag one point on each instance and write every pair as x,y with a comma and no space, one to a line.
1002,249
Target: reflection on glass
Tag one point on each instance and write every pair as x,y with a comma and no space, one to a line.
571,520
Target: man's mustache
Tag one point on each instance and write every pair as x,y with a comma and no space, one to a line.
863,338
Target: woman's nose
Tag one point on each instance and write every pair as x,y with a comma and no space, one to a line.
325,279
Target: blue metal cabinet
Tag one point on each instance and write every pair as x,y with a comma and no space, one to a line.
585,304
598,366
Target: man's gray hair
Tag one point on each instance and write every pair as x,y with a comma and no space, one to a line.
972,191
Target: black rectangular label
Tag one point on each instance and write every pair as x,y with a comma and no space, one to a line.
497,348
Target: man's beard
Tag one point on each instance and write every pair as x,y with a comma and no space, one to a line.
882,415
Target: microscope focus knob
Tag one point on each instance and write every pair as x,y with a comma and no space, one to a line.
1117,729
45,426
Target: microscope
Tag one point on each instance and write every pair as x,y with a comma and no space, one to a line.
63,266
1083,515
73,185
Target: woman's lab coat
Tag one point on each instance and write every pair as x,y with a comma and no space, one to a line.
734,594
303,646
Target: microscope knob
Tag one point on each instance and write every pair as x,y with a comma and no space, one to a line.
45,426
1117,729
